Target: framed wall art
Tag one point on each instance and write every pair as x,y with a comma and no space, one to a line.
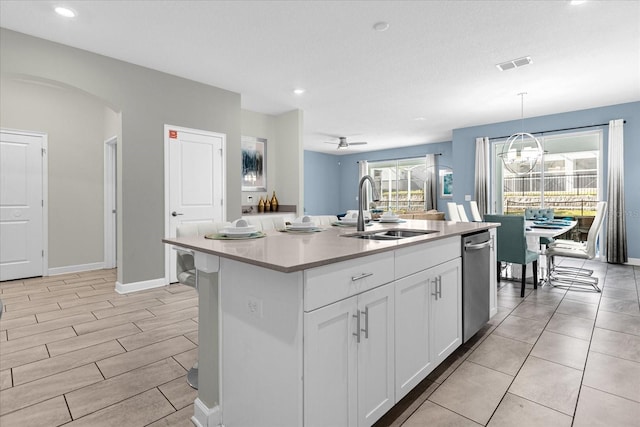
446,183
254,164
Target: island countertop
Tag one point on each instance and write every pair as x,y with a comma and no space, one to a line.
289,252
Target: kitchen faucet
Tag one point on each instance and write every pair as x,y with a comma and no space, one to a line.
362,198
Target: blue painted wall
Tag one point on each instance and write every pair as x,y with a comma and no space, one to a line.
321,183
464,153
331,181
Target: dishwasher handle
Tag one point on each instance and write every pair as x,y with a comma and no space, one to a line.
477,246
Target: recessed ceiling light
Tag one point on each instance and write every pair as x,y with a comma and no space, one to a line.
420,119
298,91
381,26
577,2
65,11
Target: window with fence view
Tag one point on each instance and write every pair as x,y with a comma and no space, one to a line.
401,182
567,179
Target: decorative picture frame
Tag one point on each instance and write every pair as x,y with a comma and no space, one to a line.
446,183
254,163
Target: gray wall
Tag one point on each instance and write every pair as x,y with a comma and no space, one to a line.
284,145
75,124
146,100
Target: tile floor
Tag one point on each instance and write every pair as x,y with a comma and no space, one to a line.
555,358
74,352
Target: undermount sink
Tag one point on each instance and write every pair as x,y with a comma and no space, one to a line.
392,234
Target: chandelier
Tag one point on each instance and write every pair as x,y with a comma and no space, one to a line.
521,151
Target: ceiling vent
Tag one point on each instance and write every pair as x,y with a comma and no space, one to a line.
514,63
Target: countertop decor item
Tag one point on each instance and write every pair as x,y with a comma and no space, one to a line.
274,202
261,205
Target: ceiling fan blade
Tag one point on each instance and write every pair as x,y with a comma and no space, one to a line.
330,142
358,143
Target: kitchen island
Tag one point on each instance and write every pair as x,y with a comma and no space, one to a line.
321,329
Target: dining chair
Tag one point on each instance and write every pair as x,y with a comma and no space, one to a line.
186,270
267,222
452,209
512,246
581,250
462,213
475,212
540,214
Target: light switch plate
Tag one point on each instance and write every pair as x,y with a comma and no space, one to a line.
467,197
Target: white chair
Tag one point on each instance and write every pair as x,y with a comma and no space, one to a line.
324,219
475,213
267,222
452,209
463,214
186,270
572,276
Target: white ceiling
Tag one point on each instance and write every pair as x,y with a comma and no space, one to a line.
436,60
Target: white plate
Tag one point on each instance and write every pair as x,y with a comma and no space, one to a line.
349,220
302,225
308,229
389,219
237,233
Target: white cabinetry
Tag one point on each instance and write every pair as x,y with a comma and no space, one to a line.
349,360
446,308
428,323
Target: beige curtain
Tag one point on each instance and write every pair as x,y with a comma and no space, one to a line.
616,226
482,175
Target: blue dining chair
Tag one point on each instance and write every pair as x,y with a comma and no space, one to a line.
533,214
512,246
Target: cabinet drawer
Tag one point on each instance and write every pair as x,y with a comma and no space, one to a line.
330,283
416,258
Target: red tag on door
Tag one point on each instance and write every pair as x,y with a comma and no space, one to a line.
173,134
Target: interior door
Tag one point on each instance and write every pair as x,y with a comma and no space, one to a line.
21,205
196,180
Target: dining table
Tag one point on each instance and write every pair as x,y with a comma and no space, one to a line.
534,230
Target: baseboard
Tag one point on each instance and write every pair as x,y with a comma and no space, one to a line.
139,286
633,261
75,268
204,416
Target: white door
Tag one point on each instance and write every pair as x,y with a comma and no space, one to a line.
330,365
413,354
446,306
195,180
376,367
21,205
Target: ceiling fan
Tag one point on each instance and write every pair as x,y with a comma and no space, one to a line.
343,144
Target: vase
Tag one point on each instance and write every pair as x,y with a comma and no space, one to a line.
261,205
274,203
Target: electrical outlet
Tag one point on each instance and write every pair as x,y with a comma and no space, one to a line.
467,197
254,306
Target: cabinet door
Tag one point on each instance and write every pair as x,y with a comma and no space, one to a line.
376,392
330,365
446,308
413,354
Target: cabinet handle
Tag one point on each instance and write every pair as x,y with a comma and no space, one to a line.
439,279
362,276
366,322
435,284
357,333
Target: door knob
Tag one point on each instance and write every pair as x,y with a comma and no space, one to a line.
174,213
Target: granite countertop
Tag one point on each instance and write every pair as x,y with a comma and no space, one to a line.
289,252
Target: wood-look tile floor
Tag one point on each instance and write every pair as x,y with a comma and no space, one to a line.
74,352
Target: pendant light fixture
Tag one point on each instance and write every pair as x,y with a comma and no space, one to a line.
521,151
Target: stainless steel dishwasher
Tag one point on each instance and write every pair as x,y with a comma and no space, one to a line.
476,250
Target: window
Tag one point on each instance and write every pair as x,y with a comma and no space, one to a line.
402,184
569,182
